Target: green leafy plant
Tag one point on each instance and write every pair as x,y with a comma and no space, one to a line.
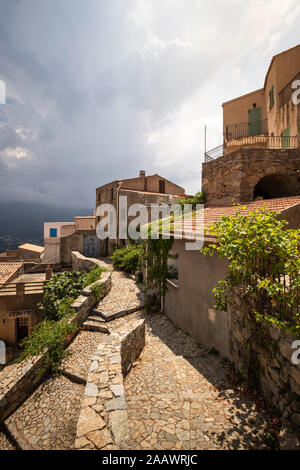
127,258
97,291
48,338
264,265
93,275
199,198
62,288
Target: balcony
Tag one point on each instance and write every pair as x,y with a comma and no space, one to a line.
254,141
246,129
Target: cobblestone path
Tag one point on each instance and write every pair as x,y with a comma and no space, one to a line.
78,362
124,296
4,443
48,418
178,397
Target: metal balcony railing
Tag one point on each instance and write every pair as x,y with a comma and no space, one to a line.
266,142
286,94
214,153
246,129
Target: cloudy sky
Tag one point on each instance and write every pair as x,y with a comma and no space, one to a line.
99,89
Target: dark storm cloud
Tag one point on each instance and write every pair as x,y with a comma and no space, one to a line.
100,89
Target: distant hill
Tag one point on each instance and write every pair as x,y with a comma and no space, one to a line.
22,222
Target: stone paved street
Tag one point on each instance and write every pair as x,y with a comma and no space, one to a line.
124,295
48,419
178,397
80,351
4,443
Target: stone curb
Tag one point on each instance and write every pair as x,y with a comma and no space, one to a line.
103,420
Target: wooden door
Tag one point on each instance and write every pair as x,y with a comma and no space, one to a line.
254,121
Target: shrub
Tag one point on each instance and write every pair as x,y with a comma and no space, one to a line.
93,275
48,337
127,259
264,264
97,291
62,288
199,198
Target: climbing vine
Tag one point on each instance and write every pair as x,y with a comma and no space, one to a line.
264,264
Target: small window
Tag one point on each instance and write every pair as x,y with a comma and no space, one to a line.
271,97
53,232
162,186
112,194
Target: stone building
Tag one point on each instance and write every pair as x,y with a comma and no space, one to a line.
61,238
259,157
20,294
147,190
26,252
258,166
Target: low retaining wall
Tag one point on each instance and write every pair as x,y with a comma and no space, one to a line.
81,263
19,382
103,420
270,358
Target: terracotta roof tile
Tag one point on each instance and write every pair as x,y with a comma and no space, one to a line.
214,214
30,247
7,270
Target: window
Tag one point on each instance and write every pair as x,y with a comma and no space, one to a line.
271,97
162,187
53,232
112,194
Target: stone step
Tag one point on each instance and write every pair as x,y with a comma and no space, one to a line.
96,318
107,317
89,325
98,314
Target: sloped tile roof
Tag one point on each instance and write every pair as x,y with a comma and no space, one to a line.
30,247
214,213
7,270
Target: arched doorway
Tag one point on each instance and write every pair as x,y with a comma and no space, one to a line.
276,185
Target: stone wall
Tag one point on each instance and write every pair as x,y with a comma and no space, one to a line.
232,178
103,420
81,263
17,381
271,360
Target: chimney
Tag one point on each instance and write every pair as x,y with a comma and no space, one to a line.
142,174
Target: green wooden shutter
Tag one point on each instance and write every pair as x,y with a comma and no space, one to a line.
271,96
285,138
254,121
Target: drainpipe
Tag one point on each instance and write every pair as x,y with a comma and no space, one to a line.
117,240
162,304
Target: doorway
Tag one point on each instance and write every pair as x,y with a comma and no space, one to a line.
254,121
22,328
91,246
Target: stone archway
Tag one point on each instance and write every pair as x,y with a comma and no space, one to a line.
276,185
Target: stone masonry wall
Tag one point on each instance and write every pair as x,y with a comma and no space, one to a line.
21,380
232,178
81,263
278,377
103,420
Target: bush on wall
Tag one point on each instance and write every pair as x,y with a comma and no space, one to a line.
127,258
264,264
